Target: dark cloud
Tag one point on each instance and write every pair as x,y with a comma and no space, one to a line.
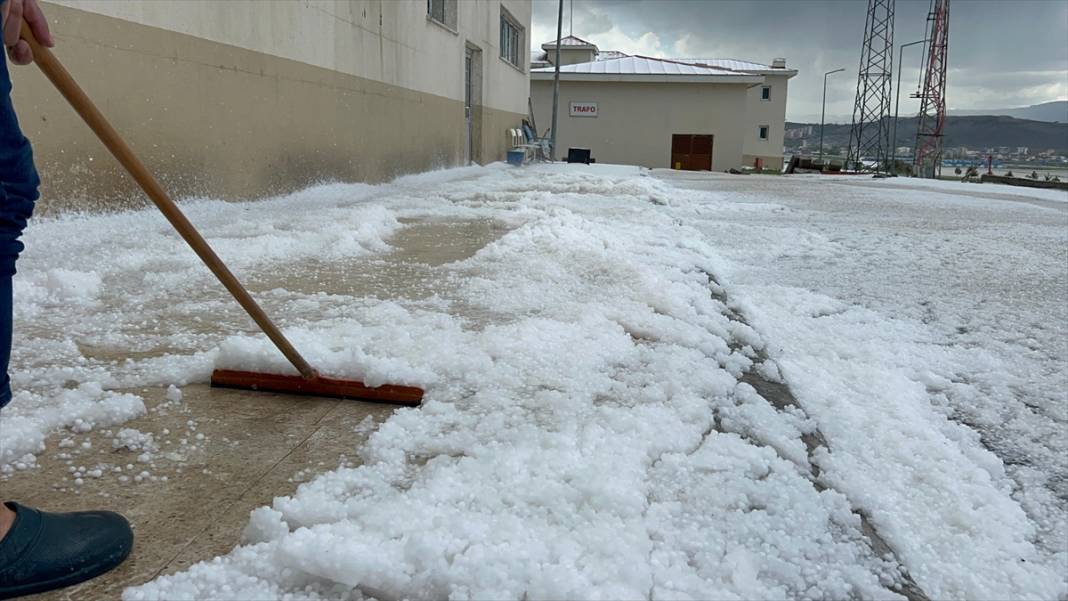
1001,53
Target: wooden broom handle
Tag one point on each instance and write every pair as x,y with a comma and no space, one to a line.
81,103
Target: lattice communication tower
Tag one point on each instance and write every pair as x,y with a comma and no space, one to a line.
869,139
930,131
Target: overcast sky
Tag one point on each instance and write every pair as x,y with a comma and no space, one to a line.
1002,54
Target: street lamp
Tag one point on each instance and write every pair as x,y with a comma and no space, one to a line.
823,115
897,103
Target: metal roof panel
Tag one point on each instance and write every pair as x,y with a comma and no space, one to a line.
640,65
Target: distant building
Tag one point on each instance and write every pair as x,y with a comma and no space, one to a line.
684,113
242,98
799,133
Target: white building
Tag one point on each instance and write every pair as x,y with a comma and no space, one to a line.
685,113
241,98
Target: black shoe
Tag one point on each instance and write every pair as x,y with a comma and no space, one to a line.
45,551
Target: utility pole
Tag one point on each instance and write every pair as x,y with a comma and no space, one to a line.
897,103
823,115
556,80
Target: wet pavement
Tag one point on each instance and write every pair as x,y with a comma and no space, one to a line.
187,473
253,447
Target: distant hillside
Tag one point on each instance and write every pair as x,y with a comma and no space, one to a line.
1048,111
977,132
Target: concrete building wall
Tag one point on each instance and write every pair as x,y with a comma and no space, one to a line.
635,121
571,56
380,40
243,98
767,112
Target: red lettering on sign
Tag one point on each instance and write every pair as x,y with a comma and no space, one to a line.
586,109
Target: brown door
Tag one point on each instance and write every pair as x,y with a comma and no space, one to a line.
691,152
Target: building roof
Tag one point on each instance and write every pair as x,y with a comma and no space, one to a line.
644,68
570,42
734,64
640,65
614,62
725,63
539,58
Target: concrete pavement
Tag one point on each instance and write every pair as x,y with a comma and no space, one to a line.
255,446
217,454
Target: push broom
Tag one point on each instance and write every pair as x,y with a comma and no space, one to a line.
309,382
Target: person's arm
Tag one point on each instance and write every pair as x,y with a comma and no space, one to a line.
12,14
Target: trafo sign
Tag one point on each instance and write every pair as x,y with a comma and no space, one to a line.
584,109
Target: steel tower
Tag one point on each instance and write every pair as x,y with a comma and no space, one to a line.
869,139
927,158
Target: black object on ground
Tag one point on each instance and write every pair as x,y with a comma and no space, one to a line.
579,155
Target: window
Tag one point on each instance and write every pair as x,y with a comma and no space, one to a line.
436,10
443,12
763,132
511,40
765,93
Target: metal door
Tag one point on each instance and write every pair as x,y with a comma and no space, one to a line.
692,152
